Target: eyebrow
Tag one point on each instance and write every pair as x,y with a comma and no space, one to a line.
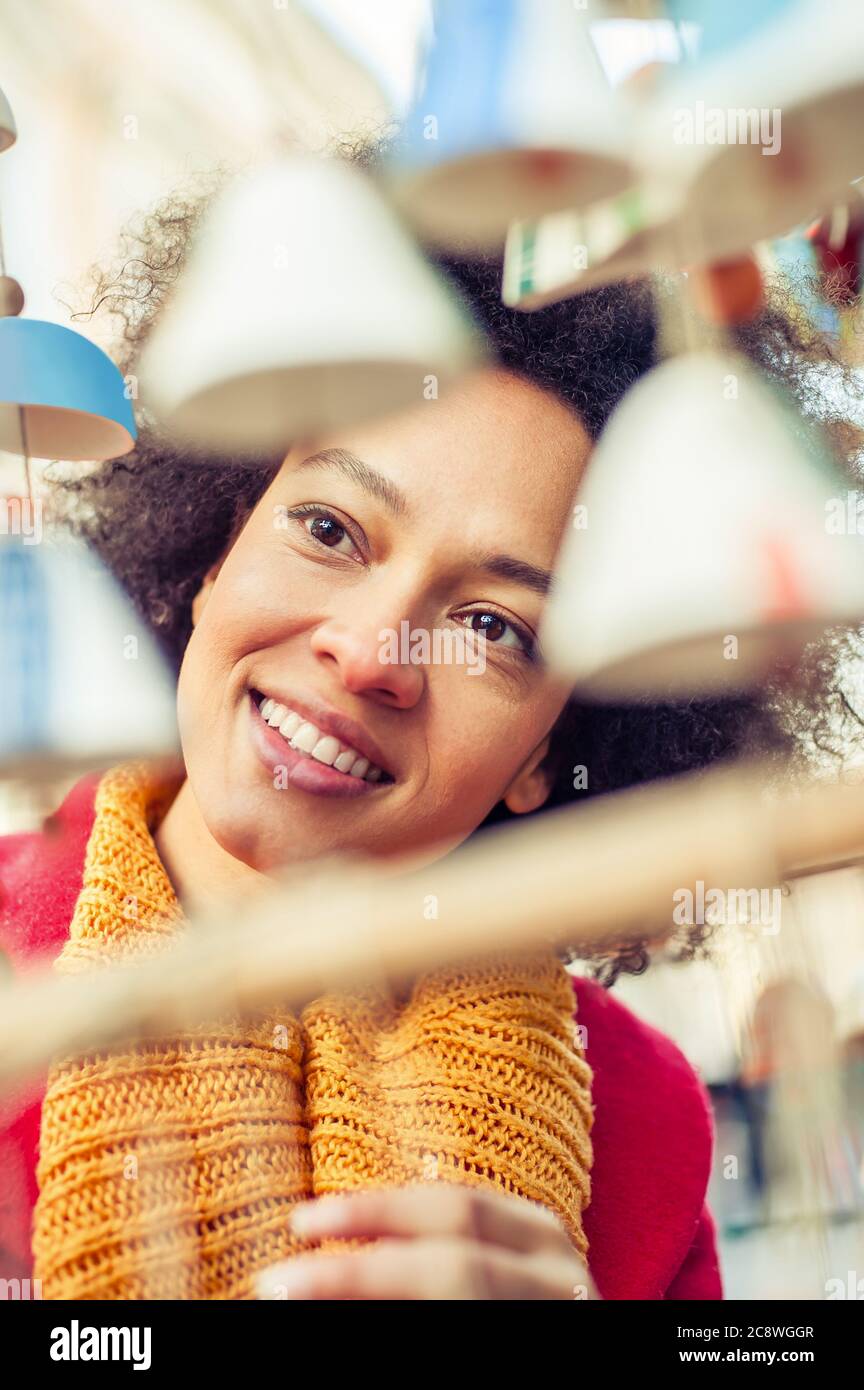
518,571
377,485
369,479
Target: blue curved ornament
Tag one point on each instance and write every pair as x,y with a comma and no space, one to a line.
74,399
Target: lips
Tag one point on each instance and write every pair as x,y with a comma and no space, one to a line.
309,746
315,741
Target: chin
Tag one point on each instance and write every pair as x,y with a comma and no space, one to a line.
247,829
239,825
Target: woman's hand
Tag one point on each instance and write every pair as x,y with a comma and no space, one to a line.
439,1241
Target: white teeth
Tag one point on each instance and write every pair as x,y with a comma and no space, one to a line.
305,738
326,750
289,726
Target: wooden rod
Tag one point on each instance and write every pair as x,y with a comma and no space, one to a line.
580,876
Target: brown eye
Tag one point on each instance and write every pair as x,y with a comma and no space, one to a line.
503,632
327,531
492,627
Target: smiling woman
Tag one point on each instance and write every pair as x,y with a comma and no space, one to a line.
355,534
270,584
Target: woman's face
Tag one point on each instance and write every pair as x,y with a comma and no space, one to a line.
443,521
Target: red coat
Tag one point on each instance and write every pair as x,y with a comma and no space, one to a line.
650,1232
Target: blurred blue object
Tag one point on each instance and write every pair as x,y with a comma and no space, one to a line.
74,399
83,685
26,632
795,257
463,80
724,23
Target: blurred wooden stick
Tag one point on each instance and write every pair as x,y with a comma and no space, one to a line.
580,876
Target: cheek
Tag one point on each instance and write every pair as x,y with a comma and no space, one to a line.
250,608
210,681
247,608
207,663
478,739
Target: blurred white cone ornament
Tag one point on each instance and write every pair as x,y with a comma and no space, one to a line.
763,136
305,306
711,537
516,119
83,685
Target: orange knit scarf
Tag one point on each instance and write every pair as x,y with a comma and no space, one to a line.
166,1169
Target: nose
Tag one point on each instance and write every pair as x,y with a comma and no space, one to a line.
355,647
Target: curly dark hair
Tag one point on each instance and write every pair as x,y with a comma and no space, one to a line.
160,524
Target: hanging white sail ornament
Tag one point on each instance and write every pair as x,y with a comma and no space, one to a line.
305,306
763,136
712,538
83,685
516,119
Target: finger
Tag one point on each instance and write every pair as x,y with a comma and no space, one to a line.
431,1209
433,1269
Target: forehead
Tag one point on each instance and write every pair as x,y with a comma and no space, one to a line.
492,440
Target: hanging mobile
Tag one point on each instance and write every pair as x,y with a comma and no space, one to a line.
82,682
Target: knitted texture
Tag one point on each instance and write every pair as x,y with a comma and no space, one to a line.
168,1169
